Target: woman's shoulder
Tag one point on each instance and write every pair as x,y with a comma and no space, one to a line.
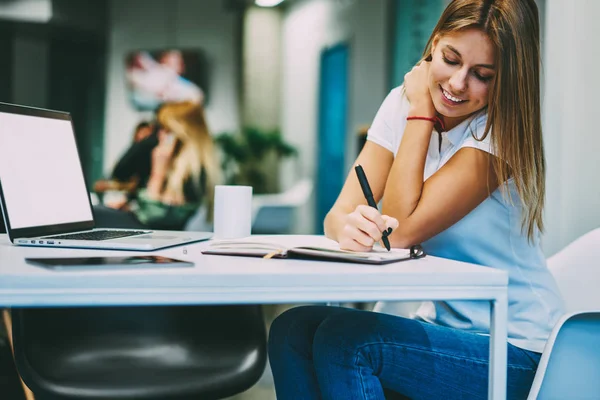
395,107
398,95
479,124
388,125
475,134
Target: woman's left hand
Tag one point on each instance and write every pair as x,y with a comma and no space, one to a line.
416,84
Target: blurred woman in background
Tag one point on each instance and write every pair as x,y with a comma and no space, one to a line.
184,170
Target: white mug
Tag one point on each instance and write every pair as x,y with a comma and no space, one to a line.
233,211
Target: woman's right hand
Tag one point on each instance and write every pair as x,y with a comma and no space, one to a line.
363,228
162,154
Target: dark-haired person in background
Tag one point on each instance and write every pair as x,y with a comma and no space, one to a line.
132,171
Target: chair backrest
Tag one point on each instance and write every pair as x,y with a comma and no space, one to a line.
570,365
576,270
154,352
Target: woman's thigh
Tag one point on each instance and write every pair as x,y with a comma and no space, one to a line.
416,359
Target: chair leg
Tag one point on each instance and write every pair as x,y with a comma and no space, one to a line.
8,324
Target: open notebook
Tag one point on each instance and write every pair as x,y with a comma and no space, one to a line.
307,247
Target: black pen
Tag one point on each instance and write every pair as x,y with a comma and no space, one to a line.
364,184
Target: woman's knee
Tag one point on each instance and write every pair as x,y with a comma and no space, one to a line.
296,327
292,327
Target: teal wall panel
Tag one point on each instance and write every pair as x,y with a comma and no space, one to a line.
413,23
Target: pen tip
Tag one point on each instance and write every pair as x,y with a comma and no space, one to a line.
386,242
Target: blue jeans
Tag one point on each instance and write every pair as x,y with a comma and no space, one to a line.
319,352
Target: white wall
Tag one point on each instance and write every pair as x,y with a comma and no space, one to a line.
26,10
310,26
571,133
155,24
262,68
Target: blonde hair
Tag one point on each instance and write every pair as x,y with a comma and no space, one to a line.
197,153
514,96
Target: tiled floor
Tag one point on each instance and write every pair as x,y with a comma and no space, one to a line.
256,393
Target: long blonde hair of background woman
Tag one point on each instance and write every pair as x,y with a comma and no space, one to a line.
187,122
514,102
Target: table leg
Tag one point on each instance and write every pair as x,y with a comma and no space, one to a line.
498,348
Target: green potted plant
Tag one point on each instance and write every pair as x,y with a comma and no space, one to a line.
252,157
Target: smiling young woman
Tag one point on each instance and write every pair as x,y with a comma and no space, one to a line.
472,191
461,70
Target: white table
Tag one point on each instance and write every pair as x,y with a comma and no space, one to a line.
242,280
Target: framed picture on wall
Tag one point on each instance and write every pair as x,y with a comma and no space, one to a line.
154,77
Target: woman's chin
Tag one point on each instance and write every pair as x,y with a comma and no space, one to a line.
444,112
451,113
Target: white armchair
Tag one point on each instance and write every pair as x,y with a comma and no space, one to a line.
576,269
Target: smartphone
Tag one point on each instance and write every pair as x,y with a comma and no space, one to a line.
89,263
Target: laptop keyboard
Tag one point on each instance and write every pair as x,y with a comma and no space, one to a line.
98,235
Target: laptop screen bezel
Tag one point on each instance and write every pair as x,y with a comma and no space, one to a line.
45,230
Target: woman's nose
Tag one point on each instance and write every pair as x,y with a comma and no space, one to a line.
458,81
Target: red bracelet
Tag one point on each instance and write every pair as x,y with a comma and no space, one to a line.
437,121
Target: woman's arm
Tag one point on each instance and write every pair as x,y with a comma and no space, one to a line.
351,222
425,209
156,184
162,157
405,182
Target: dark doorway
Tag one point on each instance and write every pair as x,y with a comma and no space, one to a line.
77,84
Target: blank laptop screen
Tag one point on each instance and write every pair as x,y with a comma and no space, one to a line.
40,172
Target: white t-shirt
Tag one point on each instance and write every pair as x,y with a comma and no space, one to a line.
490,235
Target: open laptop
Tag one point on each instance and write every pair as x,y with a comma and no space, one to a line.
44,198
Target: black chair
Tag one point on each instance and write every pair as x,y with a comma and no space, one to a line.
174,352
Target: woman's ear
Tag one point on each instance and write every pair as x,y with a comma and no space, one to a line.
434,43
